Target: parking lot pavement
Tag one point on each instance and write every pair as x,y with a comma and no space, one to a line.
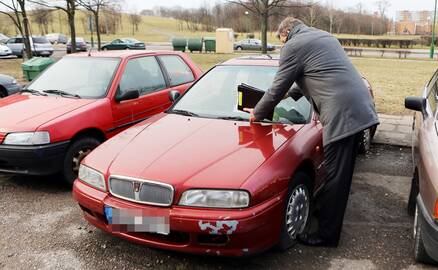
41,227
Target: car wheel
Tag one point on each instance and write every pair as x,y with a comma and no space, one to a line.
365,141
297,210
415,189
239,48
420,253
3,92
127,48
77,151
105,48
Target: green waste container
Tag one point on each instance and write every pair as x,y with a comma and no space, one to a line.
179,44
35,66
195,44
210,44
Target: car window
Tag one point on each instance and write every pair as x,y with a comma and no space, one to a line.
18,40
179,72
11,41
432,97
40,40
142,74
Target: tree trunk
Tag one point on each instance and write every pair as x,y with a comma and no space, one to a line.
26,37
264,29
96,22
71,10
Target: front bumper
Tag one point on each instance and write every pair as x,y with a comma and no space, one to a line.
429,228
258,227
33,160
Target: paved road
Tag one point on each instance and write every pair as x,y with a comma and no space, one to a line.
41,227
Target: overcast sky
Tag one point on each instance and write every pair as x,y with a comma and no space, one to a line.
132,5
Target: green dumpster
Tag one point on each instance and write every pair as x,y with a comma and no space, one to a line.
195,44
210,44
179,44
35,66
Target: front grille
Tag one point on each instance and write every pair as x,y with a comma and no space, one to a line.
141,191
2,137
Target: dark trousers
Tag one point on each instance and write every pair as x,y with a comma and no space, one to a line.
340,157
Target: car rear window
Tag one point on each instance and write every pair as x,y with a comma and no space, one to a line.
40,40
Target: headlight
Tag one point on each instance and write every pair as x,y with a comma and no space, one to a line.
215,198
91,177
27,138
14,81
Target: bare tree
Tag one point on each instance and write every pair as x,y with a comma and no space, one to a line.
135,20
263,10
16,11
95,6
69,7
42,17
383,6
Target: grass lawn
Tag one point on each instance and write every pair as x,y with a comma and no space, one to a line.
392,79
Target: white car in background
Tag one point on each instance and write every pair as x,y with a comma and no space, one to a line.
5,51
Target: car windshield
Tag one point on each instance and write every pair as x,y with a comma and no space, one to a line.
215,95
87,77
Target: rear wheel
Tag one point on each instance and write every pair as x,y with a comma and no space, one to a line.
420,253
3,92
77,151
297,209
415,189
239,48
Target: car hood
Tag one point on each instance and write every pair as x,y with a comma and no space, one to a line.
28,112
191,152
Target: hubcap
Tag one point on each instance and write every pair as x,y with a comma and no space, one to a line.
297,211
78,157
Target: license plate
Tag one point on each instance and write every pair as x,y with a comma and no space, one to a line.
135,220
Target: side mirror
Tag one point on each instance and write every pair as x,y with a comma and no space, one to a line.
415,103
174,95
133,94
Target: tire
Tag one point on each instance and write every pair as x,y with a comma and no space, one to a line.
420,253
415,189
298,197
238,48
365,141
105,49
3,92
75,153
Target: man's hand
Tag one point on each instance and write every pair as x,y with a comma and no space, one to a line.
252,118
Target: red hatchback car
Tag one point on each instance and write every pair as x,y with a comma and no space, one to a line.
81,101
200,178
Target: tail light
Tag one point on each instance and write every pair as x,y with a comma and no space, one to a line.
2,137
436,209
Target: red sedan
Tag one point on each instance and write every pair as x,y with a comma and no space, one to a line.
82,100
200,178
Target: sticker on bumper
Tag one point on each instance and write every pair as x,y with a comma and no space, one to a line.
219,227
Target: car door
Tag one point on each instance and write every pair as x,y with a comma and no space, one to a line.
145,75
246,44
427,157
15,47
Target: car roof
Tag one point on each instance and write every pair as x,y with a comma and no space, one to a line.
122,53
254,60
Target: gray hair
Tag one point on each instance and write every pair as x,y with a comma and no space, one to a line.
287,25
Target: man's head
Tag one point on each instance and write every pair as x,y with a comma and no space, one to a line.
285,27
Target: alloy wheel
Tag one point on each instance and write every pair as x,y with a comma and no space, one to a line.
297,211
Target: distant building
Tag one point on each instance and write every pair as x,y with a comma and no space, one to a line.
413,22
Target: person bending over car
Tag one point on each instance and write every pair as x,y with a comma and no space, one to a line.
316,62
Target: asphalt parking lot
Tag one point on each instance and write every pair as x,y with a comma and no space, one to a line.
41,227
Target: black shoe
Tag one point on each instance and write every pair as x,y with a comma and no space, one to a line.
314,240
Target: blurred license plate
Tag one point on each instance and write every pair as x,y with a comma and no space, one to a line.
135,220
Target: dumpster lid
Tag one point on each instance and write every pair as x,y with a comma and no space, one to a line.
37,61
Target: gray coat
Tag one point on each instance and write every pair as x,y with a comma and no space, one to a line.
317,63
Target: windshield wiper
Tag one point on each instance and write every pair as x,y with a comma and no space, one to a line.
62,93
183,112
235,118
33,92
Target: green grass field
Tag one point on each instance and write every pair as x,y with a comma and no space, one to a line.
392,79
